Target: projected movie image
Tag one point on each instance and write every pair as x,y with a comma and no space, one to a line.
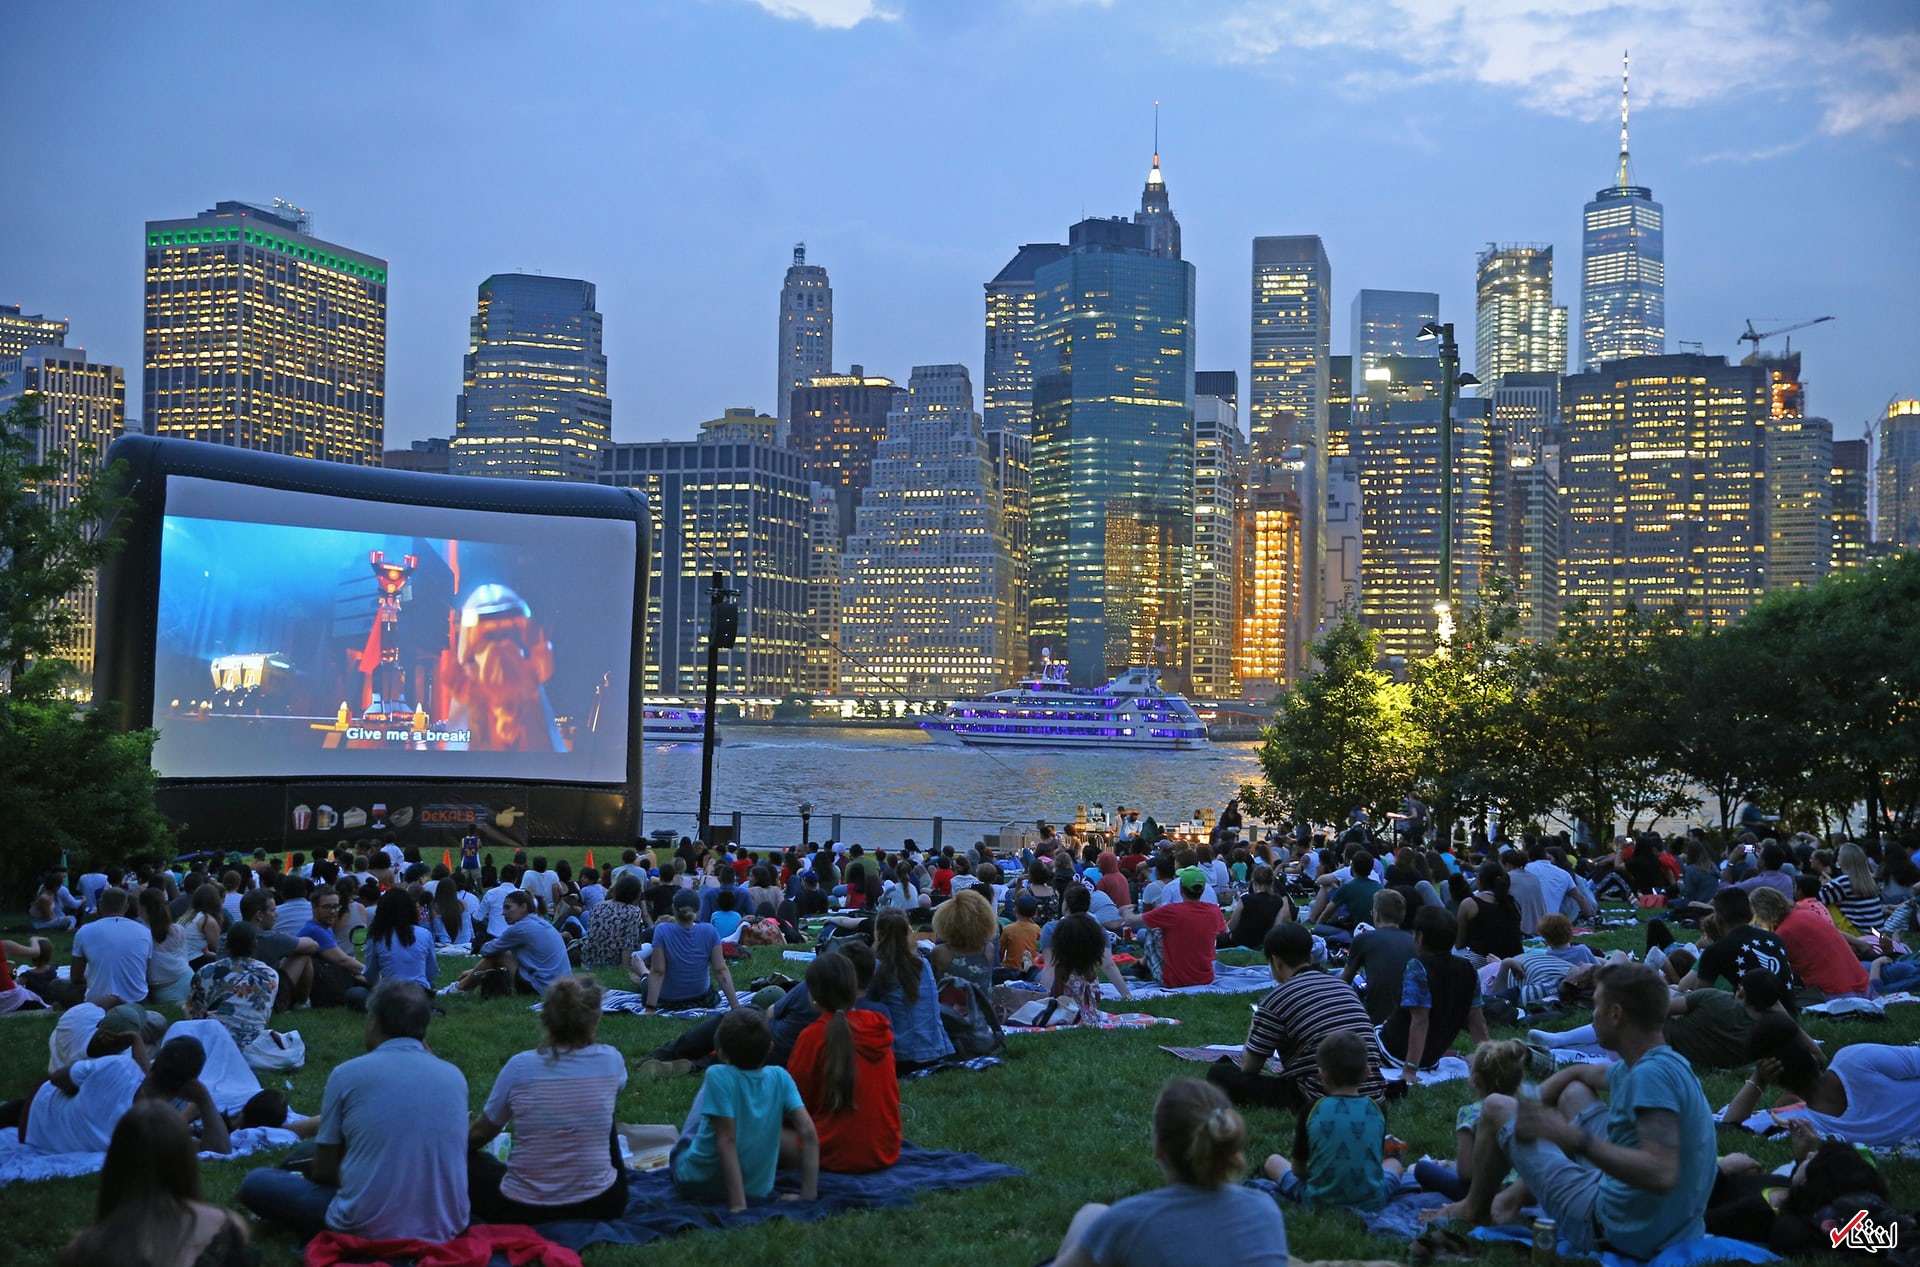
476,645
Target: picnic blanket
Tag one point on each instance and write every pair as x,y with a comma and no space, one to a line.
1227,979
1107,1020
1701,1249
974,1063
20,1164
634,1004
655,1210
1399,1219
1450,1068
478,1246
1860,1005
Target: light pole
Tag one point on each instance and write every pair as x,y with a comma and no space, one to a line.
723,628
1450,378
806,816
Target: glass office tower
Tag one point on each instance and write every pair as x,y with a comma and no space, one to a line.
534,401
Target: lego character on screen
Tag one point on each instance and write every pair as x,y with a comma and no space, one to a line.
496,675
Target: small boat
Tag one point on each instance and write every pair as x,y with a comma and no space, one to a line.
1131,711
673,723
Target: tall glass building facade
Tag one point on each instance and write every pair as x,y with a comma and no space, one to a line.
1112,476
1387,323
806,329
1518,328
533,401
1008,388
837,421
1896,478
262,336
1219,488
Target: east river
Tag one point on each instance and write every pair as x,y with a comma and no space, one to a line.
889,784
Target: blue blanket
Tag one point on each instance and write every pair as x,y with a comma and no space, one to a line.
1704,1249
655,1210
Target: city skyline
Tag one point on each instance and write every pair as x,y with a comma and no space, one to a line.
1715,146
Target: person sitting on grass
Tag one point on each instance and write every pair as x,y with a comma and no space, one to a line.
1632,1171
531,955
692,1049
148,1212
726,918
1741,945
617,927
1178,938
1496,1068
1344,1165
1867,1093
843,1065
1439,997
19,996
1822,956
1020,940
1203,1212
398,945
746,1121
685,961
904,988
1382,952
1079,956
559,1099
1255,914
1304,1006
391,1148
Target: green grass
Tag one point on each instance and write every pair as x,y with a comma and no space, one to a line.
1071,1110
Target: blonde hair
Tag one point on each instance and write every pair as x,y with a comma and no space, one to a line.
1201,1140
1770,906
1497,1068
570,1012
965,922
1853,864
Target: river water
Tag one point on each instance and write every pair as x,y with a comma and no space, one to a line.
889,784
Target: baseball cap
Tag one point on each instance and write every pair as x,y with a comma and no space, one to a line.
131,1018
1191,878
686,899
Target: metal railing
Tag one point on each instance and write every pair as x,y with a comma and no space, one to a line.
760,829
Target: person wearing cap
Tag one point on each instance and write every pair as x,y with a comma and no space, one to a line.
684,961
1177,939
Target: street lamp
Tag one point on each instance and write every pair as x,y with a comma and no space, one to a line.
1450,378
723,629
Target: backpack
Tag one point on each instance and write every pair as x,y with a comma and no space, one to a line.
968,1015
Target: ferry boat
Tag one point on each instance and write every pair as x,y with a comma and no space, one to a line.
1046,712
673,723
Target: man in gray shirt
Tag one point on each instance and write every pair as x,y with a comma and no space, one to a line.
390,1155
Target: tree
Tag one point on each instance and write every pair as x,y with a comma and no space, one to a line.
1713,696
68,780
1339,739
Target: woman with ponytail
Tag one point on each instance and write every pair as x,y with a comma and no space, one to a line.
1488,921
1203,1212
843,1063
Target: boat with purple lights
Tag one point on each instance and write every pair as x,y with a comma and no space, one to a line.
1046,711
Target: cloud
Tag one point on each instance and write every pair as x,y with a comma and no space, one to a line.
1563,56
1754,154
833,15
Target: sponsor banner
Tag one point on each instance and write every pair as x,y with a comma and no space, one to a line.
320,815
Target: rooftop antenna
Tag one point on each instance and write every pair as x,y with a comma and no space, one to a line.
1153,173
1624,182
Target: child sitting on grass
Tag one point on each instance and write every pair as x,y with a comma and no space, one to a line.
747,1119
1346,1135
1494,1069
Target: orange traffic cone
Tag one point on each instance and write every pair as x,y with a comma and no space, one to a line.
589,859
286,864
446,859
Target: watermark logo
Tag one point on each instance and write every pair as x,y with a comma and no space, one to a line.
1861,1232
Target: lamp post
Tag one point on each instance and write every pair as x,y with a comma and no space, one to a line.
723,627
1450,378
806,816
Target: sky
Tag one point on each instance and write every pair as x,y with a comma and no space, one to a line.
673,153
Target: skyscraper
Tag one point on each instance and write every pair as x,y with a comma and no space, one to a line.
1623,267
1852,530
1112,526
836,421
1896,478
1519,329
1224,384
1008,390
806,329
1156,210
1387,323
1011,453
1400,494
433,455
82,406
1270,582
925,605
1287,399
534,402
1664,482
22,330
1527,407
735,502
820,661
1527,512
262,336
1219,487
1799,501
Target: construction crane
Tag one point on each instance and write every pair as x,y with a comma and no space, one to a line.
1754,336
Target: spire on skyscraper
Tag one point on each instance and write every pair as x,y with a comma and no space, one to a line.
1624,181
1156,208
1153,172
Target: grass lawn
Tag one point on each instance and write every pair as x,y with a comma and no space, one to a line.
1072,1110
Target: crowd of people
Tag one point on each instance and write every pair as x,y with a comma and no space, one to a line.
1385,951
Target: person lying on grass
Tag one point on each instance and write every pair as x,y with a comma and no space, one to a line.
1868,1093
747,1119
1344,1165
76,1108
1203,1211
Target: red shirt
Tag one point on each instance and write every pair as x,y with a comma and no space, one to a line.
743,867
6,970
867,1136
942,881
1821,956
1187,932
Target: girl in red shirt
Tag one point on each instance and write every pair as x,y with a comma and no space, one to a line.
843,1064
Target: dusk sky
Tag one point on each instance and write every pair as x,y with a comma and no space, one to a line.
674,153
